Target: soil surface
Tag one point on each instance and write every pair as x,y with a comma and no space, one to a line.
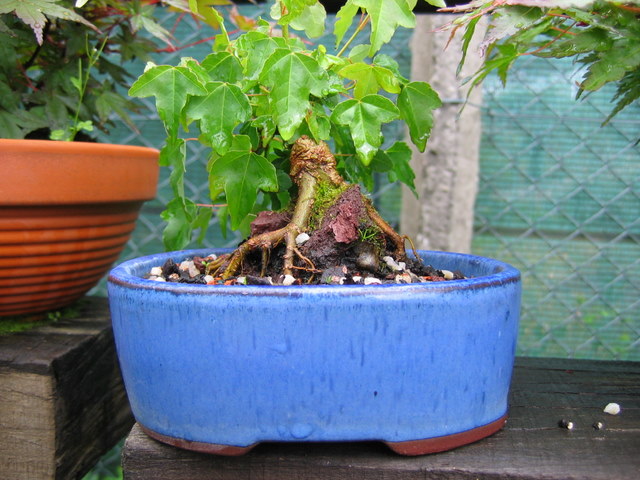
336,252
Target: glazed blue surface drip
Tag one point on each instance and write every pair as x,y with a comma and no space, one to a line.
243,364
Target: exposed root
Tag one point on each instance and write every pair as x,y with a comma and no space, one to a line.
311,165
413,247
397,239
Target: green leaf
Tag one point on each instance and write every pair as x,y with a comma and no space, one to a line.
383,60
587,41
510,21
255,48
386,17
266,128
223,67
201,222
35,12
359,52
109,101
292,77
370,79
504,57
344,19
466,41
242,173
364,117
294,10
612,65
171,86
172,147
219,111
206,9
416,103
179,216
8,126
174,154
311,20
628,91
318,123
150,25
396,162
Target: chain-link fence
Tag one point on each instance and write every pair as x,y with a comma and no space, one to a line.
559,199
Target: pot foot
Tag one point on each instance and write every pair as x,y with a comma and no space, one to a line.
407,448
211,448
447,442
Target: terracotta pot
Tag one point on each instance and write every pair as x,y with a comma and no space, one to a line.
66,212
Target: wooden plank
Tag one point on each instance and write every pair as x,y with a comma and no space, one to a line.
531,446
61,396
26,407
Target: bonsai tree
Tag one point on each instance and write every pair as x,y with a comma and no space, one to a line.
601,35
293,129
55,77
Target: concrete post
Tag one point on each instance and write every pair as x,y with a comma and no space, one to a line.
441,218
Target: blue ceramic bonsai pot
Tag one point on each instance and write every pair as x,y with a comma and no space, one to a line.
422,367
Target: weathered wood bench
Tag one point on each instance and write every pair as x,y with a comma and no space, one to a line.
62,402
531,446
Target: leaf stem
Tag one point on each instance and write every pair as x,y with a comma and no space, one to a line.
285,27
363,23
92,59
555,39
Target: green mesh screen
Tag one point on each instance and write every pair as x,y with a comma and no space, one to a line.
560,199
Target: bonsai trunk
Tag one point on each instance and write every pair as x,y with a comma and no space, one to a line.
342,224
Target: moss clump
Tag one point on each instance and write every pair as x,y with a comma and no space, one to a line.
326,195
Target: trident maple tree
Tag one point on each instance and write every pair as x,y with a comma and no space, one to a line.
292,130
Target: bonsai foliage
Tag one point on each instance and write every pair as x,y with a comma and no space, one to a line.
601,35
53,73
267,104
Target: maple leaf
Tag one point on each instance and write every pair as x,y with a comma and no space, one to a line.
223,67
35,13
364,118
395,161
219,111
292,77
171,86
370,78
416,103
386,17
241,173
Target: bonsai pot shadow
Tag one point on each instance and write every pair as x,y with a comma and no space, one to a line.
422,367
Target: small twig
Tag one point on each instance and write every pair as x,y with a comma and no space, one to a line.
413,247
548,44
220,205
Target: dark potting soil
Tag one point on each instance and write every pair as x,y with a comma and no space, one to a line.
345,272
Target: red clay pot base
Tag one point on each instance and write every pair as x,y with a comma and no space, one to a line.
408,448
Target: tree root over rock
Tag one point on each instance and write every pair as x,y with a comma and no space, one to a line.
348,226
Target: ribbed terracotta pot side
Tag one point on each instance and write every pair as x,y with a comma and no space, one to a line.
67,211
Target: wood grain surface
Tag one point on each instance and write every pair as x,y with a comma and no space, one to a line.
62,402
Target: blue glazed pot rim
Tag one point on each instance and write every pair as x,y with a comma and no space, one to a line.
129,274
